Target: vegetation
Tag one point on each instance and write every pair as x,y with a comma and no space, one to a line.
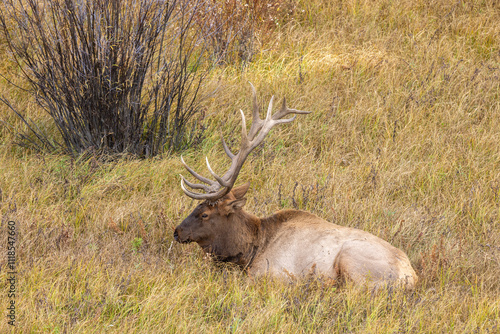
115,76
236,29
403,142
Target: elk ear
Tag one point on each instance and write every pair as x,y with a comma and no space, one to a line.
240,191
237,204
228,207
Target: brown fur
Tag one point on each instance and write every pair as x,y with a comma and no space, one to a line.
292,243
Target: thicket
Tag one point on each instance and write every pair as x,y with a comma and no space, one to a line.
114,75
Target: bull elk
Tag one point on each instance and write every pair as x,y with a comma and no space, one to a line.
290,242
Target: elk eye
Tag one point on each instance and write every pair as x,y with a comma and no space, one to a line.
204,215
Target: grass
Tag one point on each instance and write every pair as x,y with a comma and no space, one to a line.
403,142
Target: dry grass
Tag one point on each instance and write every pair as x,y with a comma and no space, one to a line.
403,142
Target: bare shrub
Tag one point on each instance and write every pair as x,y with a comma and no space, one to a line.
115,75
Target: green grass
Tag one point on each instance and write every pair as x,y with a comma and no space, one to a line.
403,142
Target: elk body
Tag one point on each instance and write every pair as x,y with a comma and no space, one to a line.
290,242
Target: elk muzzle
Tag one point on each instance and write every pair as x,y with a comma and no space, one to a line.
179,236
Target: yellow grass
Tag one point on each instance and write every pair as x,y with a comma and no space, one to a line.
404,142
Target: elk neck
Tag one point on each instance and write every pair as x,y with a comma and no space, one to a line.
238,242
246,235
259,231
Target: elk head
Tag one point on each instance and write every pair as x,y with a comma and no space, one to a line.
218,224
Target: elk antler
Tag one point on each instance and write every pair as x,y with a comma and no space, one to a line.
215,190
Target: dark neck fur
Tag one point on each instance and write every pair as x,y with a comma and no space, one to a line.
253,236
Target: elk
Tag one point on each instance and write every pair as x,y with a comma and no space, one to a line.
289,243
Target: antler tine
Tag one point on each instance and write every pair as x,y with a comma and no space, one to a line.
196,175
188,192
207,196
256,121
269,109
217,177
284,110
226,149
244,137
209,190
194,185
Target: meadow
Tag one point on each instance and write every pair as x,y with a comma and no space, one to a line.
403,141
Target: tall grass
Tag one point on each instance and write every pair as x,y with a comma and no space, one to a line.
403,142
